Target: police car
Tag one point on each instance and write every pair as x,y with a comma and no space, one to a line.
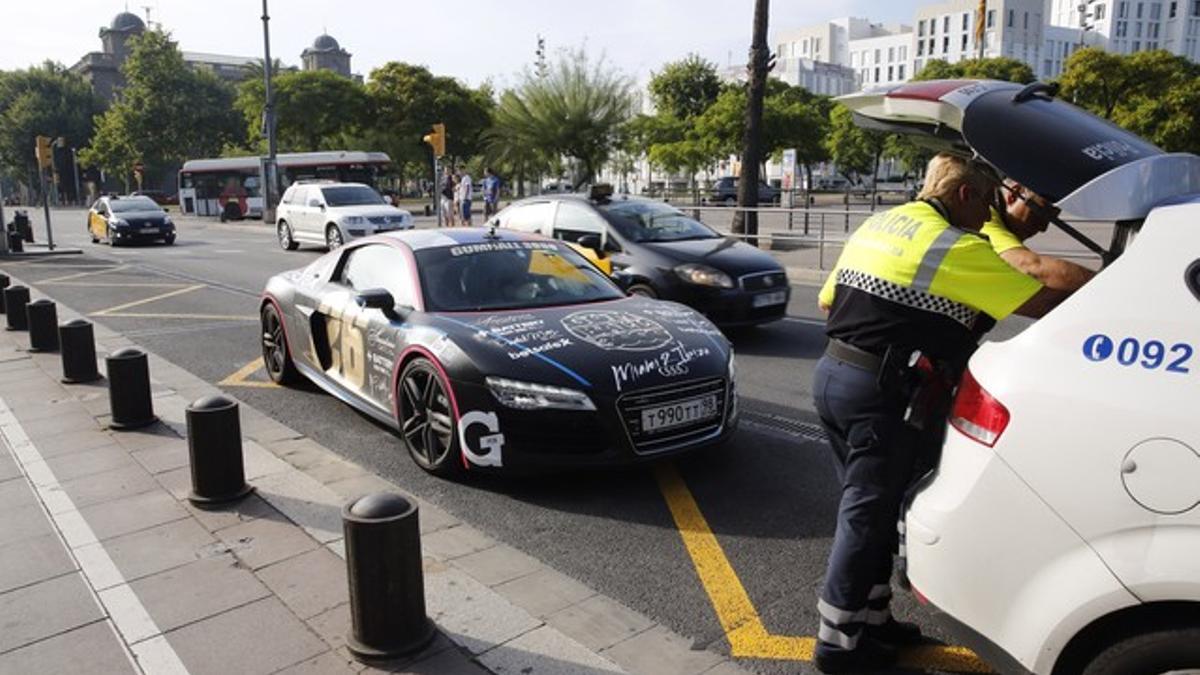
1060,532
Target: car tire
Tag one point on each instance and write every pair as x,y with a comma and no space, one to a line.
730,201
169,240
283,232
426,418
1160,649
333,237
643,290
108,234
277,359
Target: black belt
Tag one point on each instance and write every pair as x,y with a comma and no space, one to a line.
853,355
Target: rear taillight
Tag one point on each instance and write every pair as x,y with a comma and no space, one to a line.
977,414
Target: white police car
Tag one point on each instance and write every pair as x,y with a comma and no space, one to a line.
1060,532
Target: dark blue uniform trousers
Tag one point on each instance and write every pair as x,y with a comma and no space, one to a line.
874,453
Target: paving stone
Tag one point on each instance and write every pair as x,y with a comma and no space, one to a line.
658,650
308,584
197,591
147,437
88,462
57,426
109,485
264,429
14,494
440,643
303,500
599,623
332,470
352,488
122,516
22,523
299,452
32,560
545,651
455,542
76,441
472,614
159,548
235,513
448,662
726,668
45,609
236,637
332,625
263,541
8,467
433,518
177,481
93,648
259,462
497,564
166,456
52,410
544,592
329,663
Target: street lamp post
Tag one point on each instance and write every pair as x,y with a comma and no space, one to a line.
270,174
75,166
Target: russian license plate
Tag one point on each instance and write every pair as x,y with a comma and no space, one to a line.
660,417
149,230
772,298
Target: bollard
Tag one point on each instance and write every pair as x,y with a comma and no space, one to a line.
42,316
78,352
15,299
16,243
4,282
215,452
129,389
387,582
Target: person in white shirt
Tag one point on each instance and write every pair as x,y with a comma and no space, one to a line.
463,194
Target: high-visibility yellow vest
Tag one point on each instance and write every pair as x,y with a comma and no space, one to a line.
911,255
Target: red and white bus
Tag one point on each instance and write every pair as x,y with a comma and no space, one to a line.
214,187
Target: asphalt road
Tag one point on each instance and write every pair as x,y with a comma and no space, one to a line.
768,497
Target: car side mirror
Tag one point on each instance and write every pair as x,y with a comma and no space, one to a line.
611,246
591,241
376,298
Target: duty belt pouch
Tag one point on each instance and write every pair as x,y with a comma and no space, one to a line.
893,373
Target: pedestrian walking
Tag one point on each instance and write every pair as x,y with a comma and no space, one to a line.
464,195
903,301
491,192
447,194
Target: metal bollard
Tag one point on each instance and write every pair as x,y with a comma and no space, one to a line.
43,325
15,299
129,389
387,582
4,283
215,452
78,352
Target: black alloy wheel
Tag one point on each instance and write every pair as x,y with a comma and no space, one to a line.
284,232
642,290
333,237
426,420
276,358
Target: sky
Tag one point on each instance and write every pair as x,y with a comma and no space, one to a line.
472,40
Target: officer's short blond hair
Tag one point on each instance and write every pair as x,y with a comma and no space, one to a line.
946,172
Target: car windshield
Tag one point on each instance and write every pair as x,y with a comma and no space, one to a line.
351,195
130,204
655,221
495,275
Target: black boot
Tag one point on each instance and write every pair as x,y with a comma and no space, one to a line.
895,632
867,656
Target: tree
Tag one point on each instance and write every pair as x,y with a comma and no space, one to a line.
855,150
759,64
574,111
314,109
795,118
684,89
996,68
46,100
166,114
1095,80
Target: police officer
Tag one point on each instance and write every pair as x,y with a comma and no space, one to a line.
911,279
1020,214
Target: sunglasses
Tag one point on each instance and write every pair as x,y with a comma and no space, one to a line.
1039,206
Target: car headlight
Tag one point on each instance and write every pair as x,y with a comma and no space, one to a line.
117,222
354,220
703,275
530,396
168,222
732,366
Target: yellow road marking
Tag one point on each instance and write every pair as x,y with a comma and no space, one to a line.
152,315
238,379
748,637
162,296
80,275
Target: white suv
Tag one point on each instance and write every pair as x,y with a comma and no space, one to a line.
1060,530
331,214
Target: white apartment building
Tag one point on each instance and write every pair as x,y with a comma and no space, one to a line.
1128,26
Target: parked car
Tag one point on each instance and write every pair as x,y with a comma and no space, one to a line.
725,191
659,252
129,219
331,214
1059,532
495,350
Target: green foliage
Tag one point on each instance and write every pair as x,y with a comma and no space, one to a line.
46,100
576,110
997,68
855,150
1153,94
686,88
166,114
314,109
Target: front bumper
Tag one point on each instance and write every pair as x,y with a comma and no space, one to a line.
730,307
142,234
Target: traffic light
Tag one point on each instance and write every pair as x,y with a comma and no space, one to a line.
437,140
45,157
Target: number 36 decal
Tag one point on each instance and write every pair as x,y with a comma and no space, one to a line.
1150,354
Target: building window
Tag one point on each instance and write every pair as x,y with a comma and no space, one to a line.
901,71
1026,20
891,73
1139,10
946,24
878,56
1152,32
966,20
921,28
1121,28
946,45
891,54
876,73
920,48
1100,11
1136,45
933,43
1122,10
1137,30
991,17
1155,12
1195,7
964,42
1012,15
933,26
1170,11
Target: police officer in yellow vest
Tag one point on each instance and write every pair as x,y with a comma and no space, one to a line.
911,279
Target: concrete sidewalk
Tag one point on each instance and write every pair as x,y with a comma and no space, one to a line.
106,567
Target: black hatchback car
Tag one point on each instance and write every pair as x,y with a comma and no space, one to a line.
725,191
657,251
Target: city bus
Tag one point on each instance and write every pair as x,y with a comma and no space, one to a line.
214,187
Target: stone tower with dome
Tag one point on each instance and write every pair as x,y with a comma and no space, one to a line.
326,54
103,69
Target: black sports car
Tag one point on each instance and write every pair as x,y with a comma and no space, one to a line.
493,348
